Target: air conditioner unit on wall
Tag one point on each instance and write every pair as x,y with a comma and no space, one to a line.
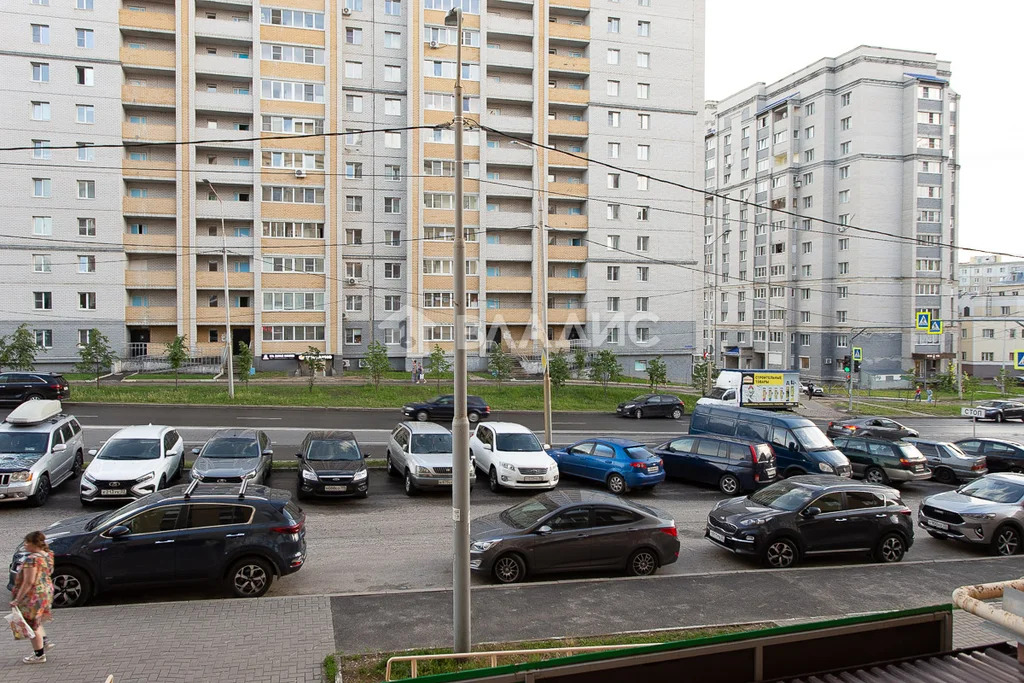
434,43
300,173
351,281
346,11
828,361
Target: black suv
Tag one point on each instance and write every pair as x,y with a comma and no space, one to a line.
18,387
331,464
443,408
813,515
238,536
652,405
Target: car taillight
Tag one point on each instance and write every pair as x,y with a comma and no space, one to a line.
905,462
670,530
54,386
980,465
852,428
292,529
638,465
830,425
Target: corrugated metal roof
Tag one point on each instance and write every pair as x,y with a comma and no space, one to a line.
993,664
777,102
926,77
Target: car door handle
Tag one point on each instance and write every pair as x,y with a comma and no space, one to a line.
163,542
842,519
233,535
881,514
582,535
98,550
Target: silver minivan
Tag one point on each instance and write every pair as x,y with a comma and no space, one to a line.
421,453
40,448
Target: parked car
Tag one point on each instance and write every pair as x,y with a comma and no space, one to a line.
443,408
799,446
1000,455
987,511
17,387
948,463
620,464
652,405
232,455
881,461
133,463
733,465
331,464
876,427
572,530
510,456
818,390
238,536
421,453
1000,411
813,515
40,448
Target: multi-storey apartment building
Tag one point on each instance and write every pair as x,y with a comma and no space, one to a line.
308,144
834,220
979,273
992,328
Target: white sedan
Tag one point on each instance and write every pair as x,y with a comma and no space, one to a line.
512,457
134,462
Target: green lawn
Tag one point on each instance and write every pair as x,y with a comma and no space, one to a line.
169,376
507,397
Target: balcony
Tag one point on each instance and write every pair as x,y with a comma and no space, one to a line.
510,316
571,32
226,174
209,244
148,169
569,128
515,92
569,96
509,284
556,159
509,252
566,284
151,279
208,280
150,315
148,59
567,253
564,221
564,316
230,210
207,135
510,124
215,316
507,219
148,132
159,206
147,21
563,190
239,31
509,188
559,63
510,60
576,4
224,66
143,96
149,243
223,101
499,25
519,155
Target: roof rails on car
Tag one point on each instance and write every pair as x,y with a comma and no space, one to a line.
191,488
241,490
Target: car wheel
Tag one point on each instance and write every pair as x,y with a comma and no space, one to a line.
781,553
180,469
298,491
616,483
509,568
392,472
638,414
422,416
473,418
410,487
250,577
643,562
677,413
944,476
492,478
42,492
76,469
891,548
34,397
875,475
999,417
729,484
71,587
1006,541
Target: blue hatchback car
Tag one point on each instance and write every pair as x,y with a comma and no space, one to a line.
620,464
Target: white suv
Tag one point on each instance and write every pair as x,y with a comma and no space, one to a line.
421,453
133,463
511,456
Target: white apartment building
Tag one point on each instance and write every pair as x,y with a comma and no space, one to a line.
979,273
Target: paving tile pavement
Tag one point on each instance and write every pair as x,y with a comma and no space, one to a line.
226,641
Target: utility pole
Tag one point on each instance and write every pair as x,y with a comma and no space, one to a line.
461,615
227,300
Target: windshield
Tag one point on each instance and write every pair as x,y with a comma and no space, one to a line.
529,512
334,450
231,448
118,513
432,443
954,450
639,453
28,442
812,439
996,490
785,495
518,443
130,449
639,399
717,392
991,404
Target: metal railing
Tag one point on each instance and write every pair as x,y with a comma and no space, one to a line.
970,599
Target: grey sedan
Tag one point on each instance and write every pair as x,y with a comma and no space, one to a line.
985,512
572,530
949,464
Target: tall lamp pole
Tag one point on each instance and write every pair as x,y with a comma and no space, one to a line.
461,617
227,300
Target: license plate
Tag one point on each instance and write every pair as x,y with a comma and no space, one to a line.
653,470
114,492
937,525
335,488
533,478
717,536
919,468
769,472
445,482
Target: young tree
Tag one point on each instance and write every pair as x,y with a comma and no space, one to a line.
177,355
579,362
439,364
500,364
315,363
605,368
376,360
5,352
657,373
971,385
558,369
703,374
1005,378
96,355
22,349
244,361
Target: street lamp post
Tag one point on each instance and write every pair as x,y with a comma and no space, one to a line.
227,300
461,617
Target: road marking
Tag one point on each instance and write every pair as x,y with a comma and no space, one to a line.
259,418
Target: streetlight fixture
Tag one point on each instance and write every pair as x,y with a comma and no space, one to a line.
227,300
461,617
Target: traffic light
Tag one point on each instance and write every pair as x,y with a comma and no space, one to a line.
856,366
846,366
847,377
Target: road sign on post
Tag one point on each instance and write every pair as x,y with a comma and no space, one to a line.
924,320
858,353
935,327
974,414
1018,360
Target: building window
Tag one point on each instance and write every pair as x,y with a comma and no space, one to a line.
643,274
643,91
613,150
84,75
613,56
643,29
643,152
613,88
840,316
612,304
85,113
353,237
612,335
392,74
86,264
845,123
87,301
392,205
40,72
41,34
353,303
87,189
613,273
86,227
84,38
43,301
614,118
614,24
44,339
392,271
642,242
354,36
41,263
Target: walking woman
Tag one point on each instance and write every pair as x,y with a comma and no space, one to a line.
33,593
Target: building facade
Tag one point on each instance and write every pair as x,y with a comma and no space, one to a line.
864,140
979,273
992,329
306,145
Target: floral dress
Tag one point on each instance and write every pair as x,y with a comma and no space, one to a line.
36,604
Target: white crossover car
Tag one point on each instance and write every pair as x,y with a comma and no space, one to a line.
134,462
512,457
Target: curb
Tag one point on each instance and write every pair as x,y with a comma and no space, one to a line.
279,407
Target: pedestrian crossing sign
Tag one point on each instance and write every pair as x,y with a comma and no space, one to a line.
858,353
924,320
1018,360
935,327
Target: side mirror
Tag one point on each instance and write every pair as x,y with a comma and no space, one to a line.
118,531
195,451
268,451
366,455
811,512
547,446
488,447
794,446
93,451
543,530
59,448
169,453
298,455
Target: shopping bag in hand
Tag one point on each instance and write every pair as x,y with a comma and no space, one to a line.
19,626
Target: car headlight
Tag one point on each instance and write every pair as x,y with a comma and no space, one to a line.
195,474
758,521
423,471
483,546
89,478
249,475
21,476
308,475
360,475
553,467
508,466
978,515
144,478
825,467
628,406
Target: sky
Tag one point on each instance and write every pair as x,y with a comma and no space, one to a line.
981,39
